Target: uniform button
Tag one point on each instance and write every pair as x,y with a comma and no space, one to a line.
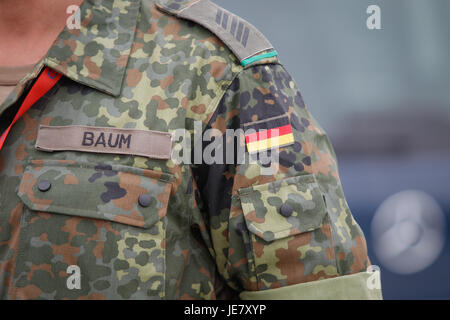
44,185
286,210
144,200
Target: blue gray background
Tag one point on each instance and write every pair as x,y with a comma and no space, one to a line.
383,96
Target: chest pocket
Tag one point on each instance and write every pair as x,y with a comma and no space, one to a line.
290,232
106,222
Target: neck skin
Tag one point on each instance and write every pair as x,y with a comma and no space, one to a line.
29,28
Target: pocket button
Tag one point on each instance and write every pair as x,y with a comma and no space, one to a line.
44,185
286,210
144,200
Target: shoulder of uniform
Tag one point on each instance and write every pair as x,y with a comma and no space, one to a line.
247,43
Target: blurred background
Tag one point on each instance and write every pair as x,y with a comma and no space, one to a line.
383,96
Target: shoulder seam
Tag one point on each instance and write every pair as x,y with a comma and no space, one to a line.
222,95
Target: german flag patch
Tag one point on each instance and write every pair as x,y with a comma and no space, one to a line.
268,134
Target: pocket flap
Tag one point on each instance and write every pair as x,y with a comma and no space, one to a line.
122,194
283,208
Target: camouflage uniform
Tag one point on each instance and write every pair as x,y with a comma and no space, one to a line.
150,228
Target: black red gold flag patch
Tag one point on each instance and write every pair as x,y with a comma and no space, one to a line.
268,134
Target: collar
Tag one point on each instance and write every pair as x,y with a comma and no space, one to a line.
96,54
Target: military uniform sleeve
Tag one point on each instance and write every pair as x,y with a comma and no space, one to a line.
280,229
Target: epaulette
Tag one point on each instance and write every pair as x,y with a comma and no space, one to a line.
243,39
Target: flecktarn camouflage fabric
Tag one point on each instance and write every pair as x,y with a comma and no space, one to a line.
145,228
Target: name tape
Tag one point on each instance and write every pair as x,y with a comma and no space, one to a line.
145,143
